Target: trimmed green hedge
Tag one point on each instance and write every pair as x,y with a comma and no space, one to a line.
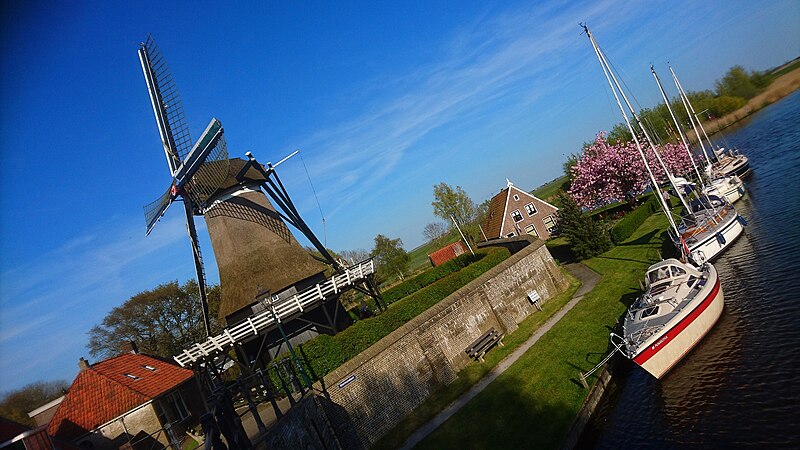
326,353
430,276
633,220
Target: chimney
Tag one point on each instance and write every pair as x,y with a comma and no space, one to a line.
83,364
130,347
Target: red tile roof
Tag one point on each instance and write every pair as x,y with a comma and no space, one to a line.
494,217
104,391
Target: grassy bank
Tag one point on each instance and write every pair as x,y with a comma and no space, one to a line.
783,85
536,399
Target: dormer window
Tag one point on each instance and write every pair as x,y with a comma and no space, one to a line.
131,376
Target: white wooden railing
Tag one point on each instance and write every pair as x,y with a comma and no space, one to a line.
284,309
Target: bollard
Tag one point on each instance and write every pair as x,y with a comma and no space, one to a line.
582,377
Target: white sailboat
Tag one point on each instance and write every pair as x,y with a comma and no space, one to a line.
682,301
710,223
729,164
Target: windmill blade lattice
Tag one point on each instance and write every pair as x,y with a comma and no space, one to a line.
179,141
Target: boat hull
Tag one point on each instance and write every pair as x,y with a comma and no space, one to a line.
731,188
713,244
738,165
668,348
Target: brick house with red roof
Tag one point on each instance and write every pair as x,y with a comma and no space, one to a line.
514,212
128,399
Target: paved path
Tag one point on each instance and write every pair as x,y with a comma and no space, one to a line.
588,279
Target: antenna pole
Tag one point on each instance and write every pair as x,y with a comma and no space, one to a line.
462,235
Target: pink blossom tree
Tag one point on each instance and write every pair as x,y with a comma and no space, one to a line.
606,173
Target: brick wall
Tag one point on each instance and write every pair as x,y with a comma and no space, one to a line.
380,386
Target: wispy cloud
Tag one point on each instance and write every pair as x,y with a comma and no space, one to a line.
51,301
488,60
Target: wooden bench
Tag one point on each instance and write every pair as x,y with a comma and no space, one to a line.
484,343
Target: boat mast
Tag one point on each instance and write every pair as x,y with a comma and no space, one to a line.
692,116
605,63
677,125
607,71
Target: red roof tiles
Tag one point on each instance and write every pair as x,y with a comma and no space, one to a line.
105,391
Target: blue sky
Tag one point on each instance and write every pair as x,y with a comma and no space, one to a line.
384,102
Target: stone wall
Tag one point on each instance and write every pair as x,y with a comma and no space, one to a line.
380,386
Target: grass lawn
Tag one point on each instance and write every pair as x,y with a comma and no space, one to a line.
475,371
548,190
534,402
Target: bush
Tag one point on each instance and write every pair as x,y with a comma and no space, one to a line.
429,276
633,220
326,353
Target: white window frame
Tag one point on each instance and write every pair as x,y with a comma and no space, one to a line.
517,213
530,228
510,235
552,221
533,207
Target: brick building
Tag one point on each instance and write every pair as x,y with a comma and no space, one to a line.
514,212
131,399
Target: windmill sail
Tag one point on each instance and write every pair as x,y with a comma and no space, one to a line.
197,170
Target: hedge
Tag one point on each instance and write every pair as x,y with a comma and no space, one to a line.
633,220
326,353
430,276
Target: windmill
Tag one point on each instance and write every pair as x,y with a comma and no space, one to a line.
268,281
197,169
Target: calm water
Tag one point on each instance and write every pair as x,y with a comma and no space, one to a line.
741,385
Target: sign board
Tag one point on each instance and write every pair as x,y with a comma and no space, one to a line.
534,298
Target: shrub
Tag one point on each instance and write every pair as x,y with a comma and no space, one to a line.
429,276
326,353
633,220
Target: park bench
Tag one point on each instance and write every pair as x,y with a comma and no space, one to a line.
484,343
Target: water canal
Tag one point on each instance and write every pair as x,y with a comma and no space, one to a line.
741,385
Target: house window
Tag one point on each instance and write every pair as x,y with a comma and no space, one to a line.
549,223
516,197
510,234
516,215
131,376
150,368
530,209
530,229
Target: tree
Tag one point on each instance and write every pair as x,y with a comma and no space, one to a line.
586,237
449,202
354,256
434,231
15,405
162,321
390,256
606,173
737,83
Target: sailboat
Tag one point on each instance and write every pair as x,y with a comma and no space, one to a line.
730,163
709,222
682,300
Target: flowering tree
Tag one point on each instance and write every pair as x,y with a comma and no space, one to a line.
606,173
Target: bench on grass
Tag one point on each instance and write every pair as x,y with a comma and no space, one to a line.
484,343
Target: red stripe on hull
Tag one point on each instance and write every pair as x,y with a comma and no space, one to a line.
651,350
